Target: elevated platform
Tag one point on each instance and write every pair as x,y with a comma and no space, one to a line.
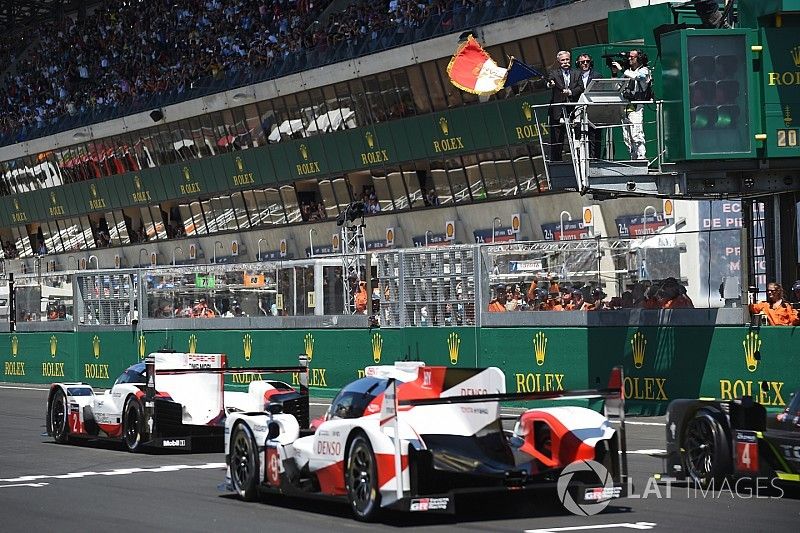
604,176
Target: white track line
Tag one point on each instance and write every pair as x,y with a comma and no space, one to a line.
24,485
626,525
117,472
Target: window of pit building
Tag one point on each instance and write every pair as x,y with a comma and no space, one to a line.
397,189
243,139
567,39
418,182
462,188
417,89
194,222
152,223
329,201
266,206
441,184
209,216
304,284
117,229
22,241
497,172
290,205
529,170
360,105
310,197
165,140
433,83
332,290
474,174
549,48
145,150
341,190
224,214
402,87
240,211
256,134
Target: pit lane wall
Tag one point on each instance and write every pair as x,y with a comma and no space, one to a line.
661,363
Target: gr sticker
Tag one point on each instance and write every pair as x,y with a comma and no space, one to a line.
429,504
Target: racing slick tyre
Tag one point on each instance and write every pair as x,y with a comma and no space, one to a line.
243,463
132,420
58,417
708,452
361,479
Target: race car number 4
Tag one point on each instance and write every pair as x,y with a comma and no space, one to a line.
746,452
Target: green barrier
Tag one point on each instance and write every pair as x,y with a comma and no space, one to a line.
661,363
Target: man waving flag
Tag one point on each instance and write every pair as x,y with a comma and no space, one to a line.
472,70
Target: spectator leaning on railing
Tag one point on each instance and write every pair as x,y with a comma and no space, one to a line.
777,311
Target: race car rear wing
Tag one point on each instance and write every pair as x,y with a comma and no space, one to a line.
613,394
151,371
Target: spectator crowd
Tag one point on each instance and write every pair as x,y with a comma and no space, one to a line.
127,51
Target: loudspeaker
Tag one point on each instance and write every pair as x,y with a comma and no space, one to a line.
156,115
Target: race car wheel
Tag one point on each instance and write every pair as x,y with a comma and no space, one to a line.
244,463
361,478
708,453
132,420
59,428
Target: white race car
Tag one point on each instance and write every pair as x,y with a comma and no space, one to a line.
409,437
168,401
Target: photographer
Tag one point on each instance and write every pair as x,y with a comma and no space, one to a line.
639,89
565,84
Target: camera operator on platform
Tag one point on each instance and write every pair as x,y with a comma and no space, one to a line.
639,89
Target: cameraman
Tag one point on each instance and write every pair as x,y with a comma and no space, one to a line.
639,89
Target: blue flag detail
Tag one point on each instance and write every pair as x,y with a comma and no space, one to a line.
519,71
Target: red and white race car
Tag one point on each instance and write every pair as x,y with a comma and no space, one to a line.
410,437
168,401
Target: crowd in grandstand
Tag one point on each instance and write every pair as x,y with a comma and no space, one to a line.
128,51
550,295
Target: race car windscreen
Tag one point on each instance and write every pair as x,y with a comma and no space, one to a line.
353,399
134,374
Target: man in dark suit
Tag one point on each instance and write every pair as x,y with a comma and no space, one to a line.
587,74
565,85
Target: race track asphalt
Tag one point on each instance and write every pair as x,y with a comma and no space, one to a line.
89,487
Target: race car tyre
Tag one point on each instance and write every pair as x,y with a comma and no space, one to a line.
132,420
244,463
708,453
361,479
59,428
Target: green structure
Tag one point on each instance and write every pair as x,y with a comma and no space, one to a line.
661,363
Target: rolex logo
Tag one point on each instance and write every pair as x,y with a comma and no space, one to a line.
192,343
53,198
14,345
540,347
93,190
308,346
638,343
752,350
247,346
444,126
453,345
377,347
137,183
304,151
186,174
526,111
96,347
53,346
796,55
370,139
16,204
142,346
239,164
787,116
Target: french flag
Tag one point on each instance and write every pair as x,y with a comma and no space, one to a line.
472,70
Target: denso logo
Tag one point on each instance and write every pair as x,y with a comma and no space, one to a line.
791,452
471,392
325,447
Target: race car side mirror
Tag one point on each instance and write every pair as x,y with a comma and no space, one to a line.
273,430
